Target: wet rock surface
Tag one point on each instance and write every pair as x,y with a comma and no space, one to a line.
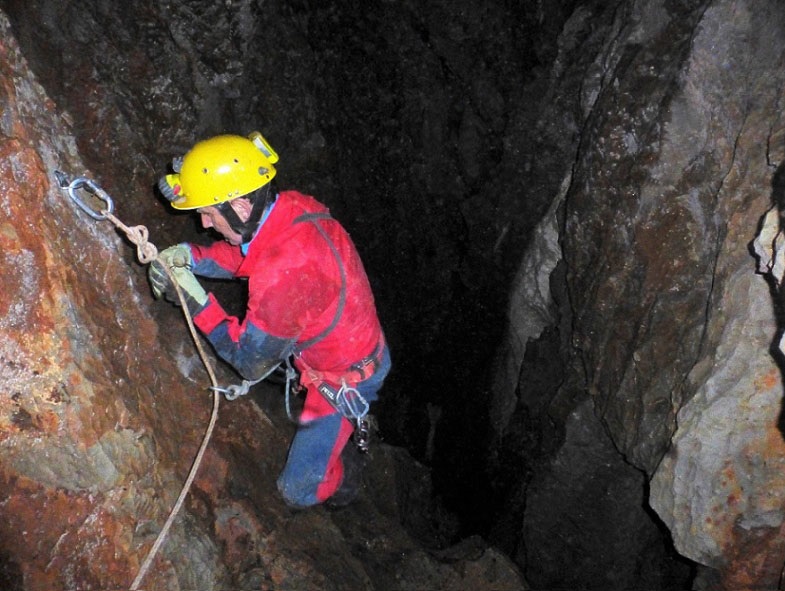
556,204
103,411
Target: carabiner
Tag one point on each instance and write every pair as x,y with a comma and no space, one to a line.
91,187
362,435
233,391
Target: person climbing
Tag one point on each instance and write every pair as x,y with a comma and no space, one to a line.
309,300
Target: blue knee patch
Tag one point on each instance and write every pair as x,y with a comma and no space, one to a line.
306,466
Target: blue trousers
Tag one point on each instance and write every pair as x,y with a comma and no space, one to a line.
313,470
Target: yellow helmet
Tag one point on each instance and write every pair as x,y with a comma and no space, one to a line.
220,169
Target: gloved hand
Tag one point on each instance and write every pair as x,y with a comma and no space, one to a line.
174,256
178,260
178,255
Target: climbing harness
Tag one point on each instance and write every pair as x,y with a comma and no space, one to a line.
146,253
340,392
344,397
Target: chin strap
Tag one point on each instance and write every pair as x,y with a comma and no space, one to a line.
260,199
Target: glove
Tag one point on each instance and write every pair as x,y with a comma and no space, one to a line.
175,259
174,256
177,256
194,294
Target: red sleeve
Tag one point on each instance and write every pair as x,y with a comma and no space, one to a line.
223,254
212,315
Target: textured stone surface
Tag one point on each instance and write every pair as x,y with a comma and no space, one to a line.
532,309
660,316
640,229
720,487
102,412
636,368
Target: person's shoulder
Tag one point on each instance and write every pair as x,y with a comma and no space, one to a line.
302,202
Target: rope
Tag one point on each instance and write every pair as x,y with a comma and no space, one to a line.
147,253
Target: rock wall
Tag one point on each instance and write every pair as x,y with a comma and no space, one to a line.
660,318
88,453
720,486
596,171
102,412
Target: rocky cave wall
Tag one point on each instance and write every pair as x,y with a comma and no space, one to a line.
105,403
412,121
640,297
589,173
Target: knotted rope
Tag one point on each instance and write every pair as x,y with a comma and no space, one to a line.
147,252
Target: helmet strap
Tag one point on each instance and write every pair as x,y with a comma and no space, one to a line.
259,199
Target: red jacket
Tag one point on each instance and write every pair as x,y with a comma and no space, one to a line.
294,288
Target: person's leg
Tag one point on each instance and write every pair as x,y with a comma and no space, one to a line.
369,388
313,469
352,458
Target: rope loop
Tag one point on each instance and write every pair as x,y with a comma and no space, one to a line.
234,391
146,251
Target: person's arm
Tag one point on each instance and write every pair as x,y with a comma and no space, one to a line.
217,261
283,302
246,347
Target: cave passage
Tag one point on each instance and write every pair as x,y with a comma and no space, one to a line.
549,200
